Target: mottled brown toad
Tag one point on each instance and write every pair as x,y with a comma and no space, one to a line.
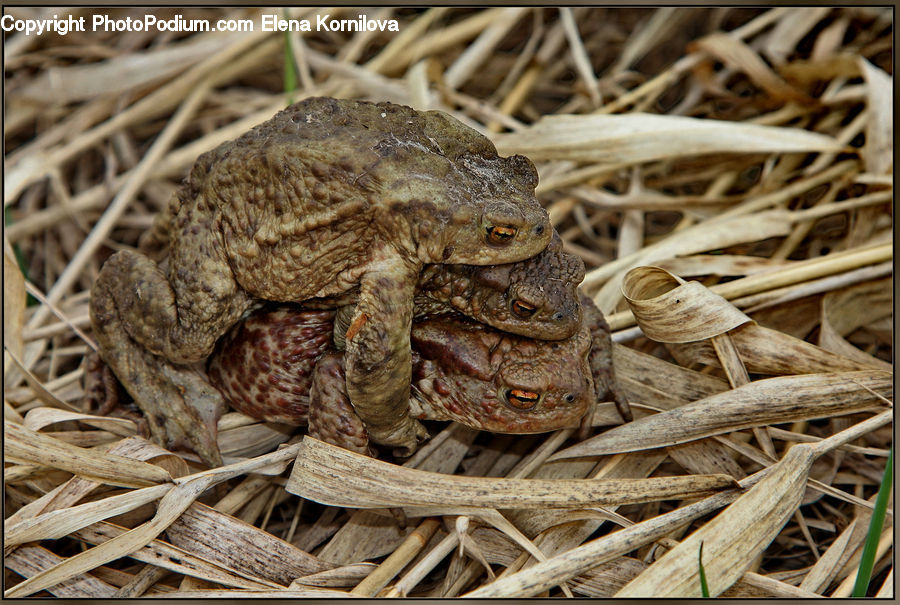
274,366
537,297
327,195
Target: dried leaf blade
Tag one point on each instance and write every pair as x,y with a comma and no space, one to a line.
732,540
331,475
768,401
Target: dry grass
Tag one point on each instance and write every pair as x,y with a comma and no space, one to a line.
748,150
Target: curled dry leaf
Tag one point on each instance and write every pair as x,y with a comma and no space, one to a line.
669,309
769,401
331,475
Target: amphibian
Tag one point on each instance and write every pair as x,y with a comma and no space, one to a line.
326,196
537,297
274,366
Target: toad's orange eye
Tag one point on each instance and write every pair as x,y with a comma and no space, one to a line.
522,400
523,309
501,235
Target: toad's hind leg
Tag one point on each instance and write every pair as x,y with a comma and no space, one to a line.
144,326
605,383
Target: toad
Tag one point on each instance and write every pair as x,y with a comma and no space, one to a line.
276,365
326,196
537,297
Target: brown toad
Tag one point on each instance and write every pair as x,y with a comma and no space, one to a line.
275,366
537,297
327,195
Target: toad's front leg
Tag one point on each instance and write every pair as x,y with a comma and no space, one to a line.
145,331
378,360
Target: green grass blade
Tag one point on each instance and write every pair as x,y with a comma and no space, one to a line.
290,70
30,301
867,561
704,587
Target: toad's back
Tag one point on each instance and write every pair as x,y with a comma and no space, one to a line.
289,200
299,196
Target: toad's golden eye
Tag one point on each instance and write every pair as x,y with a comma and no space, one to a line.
522,400
522,309
501,235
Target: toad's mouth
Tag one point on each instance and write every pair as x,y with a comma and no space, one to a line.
520,399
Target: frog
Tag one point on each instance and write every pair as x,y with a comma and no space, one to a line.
326,196
279,365
537,297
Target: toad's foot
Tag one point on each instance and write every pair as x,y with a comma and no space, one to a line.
103,392
162,391
202,402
